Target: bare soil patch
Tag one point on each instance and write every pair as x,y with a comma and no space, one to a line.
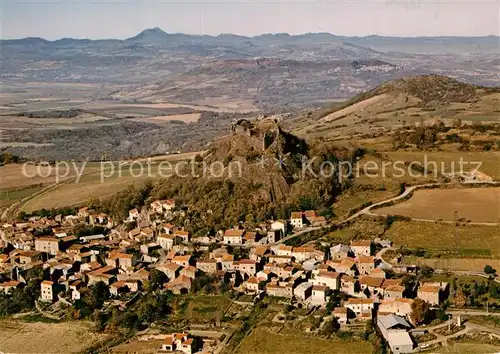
186,118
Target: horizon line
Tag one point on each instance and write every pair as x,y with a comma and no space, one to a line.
246,36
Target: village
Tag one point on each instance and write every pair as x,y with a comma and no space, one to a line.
254,262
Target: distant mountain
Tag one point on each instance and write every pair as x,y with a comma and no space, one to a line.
307,69
152,35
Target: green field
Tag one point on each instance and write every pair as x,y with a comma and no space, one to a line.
204,308
441,236
261,341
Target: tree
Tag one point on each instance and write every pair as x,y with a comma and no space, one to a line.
421,312
157,279
489,269
198,158
426,272
459,300
330,326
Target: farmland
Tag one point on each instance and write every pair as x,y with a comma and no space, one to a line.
101,183
446,161
474,238
97,180
472,204
260,341
202,309
69,337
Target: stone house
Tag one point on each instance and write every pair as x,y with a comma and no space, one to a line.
297,219
209,266
361,247
361,308
47,244
365,264
233,237
303,291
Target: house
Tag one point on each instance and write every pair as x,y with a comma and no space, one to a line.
302,254
308,214
319,293
227,262
75,287
47,292
132,284
28,257
346,266
254,284
47,244
339,252
185,236
297,219
373,285
280,259
167,241
303,291
341,314
117,288
330,279
246,266
398,306
83,213
361,247
133,215
251,238
104,274
273,236
393,291
168,204
400,342
121,260
147,234
279,225
378,273
209,266
233,237
178,342
189,271
156,207
349,285
365,264
280,290
284,250
362,308
317,221
258,253
310,265
183,261
8,286
395,331
433,292
180,285
171,270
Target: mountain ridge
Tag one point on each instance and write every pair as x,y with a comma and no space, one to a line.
158,31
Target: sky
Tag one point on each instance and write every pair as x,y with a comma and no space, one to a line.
54,19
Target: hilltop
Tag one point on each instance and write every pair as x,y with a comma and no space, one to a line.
262,178
403,102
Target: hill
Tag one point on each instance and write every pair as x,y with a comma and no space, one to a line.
252,174
403,102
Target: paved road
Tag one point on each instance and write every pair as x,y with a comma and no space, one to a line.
466,312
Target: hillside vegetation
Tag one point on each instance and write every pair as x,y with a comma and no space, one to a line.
270,184
399,103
